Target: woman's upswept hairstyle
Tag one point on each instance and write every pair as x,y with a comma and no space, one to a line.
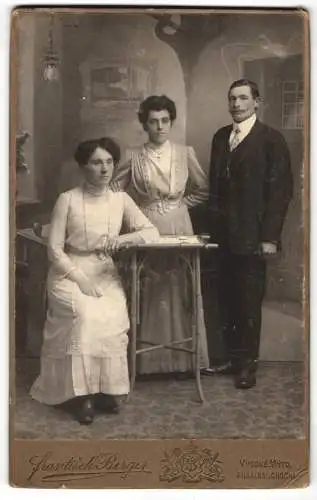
156,103
86,148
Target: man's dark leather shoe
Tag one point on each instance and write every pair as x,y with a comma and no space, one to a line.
246,379
229,368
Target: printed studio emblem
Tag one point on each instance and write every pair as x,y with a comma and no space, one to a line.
192,465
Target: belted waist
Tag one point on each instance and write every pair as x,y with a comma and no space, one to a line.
163,205
77,251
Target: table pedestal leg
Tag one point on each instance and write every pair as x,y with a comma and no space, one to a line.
196,330
196,340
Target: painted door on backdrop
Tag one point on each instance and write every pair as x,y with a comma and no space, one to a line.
281,87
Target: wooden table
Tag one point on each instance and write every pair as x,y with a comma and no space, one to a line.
29,235
32,255
188,249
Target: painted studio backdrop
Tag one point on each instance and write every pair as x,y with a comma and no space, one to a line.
102,66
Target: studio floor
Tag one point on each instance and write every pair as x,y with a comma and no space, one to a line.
275,408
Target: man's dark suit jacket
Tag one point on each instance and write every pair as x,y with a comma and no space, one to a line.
250,207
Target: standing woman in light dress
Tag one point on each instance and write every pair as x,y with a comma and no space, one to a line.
165,180
84,352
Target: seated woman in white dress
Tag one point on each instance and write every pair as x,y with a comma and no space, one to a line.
84,350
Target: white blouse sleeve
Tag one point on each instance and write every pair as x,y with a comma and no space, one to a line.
57,236
197,190
142,230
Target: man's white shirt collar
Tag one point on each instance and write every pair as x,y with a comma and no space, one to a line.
245,126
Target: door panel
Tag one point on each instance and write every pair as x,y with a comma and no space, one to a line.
280,82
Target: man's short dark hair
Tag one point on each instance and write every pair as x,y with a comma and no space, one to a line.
245,81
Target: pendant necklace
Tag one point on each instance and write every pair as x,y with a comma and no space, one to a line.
101,254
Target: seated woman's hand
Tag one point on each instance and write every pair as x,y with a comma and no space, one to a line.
88,288
125,240
111,245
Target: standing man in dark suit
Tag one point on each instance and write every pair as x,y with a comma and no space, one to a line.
250,189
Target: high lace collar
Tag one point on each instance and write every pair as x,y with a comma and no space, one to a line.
157,150
93,190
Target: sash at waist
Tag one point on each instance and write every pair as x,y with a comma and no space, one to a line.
162,205
78,251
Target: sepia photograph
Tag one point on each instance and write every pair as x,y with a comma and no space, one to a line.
159,247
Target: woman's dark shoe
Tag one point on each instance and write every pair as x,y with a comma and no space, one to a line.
85,411
106,403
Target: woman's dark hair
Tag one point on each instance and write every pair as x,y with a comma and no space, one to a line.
245,81
86,148
156,103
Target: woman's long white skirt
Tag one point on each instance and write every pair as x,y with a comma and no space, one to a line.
85,338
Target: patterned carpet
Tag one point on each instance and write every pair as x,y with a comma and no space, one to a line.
169,408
